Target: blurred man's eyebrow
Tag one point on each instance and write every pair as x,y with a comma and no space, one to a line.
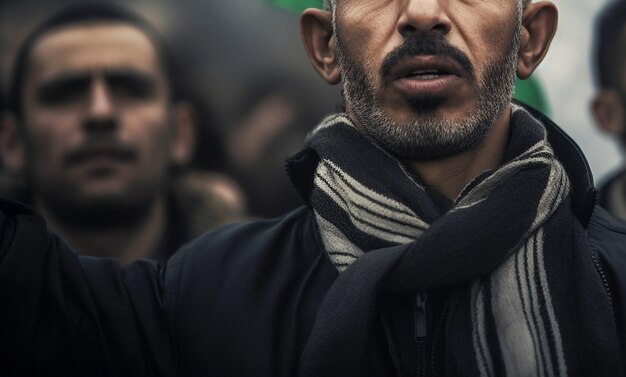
107,73
128,72
68,80
60,88
132,83
63,79
135,77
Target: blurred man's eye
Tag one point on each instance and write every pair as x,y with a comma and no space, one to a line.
131,85
63,91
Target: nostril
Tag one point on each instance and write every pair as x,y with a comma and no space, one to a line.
441,28
407,30
104,124
410,29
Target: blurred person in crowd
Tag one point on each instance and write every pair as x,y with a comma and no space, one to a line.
609,104
99,135
273,127
446,231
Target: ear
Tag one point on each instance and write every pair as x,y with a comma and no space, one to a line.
539,23
608,112
11,143
183,133
316,30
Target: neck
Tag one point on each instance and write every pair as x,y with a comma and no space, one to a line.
451,174
127,243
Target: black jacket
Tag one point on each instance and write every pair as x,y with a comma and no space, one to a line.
238,301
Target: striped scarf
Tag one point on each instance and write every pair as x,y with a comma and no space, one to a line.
508,247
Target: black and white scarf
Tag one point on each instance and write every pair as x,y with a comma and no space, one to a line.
526,301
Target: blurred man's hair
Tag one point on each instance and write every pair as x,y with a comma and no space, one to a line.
608,56
87,13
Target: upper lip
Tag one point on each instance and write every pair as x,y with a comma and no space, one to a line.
425,64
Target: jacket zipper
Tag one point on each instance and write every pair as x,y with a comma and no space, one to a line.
435,348
595,256
420,317
421,333
607,288
390,344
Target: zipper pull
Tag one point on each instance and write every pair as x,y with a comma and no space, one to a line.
420,317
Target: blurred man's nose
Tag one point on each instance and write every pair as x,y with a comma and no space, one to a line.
101,111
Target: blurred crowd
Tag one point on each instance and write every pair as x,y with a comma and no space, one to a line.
212,44
131,146
135,126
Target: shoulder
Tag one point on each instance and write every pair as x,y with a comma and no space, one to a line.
256,249
248,237
264,279
22,230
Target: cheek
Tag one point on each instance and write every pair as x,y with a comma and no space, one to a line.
488,40
368,30
479,24
44,156
49,136
156,153
149,131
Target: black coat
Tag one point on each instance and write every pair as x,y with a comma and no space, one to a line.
238,301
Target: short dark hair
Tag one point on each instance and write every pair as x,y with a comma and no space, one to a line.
607,57
83,14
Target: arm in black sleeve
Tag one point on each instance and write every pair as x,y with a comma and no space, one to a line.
65,315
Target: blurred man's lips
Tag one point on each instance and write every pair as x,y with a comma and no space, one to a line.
100,158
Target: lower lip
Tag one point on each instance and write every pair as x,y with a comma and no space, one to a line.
428,87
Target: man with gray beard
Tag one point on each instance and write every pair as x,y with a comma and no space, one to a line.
446,231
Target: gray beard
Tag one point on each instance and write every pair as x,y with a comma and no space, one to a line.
430,136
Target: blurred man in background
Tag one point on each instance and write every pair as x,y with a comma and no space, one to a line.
274,126
97,135
609,103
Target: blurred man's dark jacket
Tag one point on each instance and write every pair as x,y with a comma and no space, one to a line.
191,211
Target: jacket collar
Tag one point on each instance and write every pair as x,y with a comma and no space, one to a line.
301,168
584,194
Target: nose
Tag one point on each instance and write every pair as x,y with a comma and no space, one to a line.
423,16
101,108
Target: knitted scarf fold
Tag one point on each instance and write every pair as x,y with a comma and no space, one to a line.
510,250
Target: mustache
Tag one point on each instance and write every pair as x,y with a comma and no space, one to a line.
92,148
420,43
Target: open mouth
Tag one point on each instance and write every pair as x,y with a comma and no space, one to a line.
426,74
425,68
